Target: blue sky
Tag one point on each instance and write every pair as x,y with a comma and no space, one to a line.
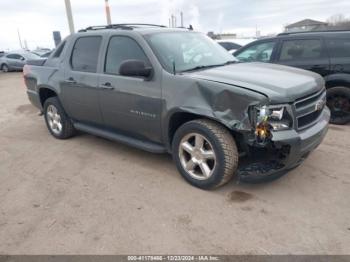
36,19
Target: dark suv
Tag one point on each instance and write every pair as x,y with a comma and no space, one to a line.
326,53
177,91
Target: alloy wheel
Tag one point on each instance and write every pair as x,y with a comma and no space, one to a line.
54,119
197,156
5,68
339,105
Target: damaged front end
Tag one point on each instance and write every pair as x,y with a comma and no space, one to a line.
268,137
265,160
276,145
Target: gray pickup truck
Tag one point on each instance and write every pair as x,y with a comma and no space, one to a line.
177,91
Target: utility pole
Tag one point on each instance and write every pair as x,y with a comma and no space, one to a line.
182,19
25,45
19,38
69,16
108,13
172,20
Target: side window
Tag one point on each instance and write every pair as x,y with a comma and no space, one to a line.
121,48
59,50
85,54
339,47
301,49
259,52
14,56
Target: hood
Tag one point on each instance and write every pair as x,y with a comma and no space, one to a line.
281,84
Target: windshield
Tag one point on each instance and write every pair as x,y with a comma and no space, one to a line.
187,51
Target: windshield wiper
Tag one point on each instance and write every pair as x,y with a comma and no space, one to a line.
230,62
209,66
199,67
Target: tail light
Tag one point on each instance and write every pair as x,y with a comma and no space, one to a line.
24,73
25,70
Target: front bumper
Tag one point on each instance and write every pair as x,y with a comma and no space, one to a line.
295,146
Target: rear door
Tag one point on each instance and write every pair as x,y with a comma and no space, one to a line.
79,89
21,62
305,53
339,52
131,105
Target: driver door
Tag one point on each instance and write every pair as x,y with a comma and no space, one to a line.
130,105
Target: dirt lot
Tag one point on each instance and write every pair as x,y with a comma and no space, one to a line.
87,195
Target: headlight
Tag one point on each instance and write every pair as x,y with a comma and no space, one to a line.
270,118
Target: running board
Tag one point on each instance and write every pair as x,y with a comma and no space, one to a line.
147,146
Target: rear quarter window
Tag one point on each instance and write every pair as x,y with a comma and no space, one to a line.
339,47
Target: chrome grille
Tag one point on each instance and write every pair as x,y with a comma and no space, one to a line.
308,109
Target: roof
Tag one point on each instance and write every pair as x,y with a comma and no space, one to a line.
310,33
329,33
306,22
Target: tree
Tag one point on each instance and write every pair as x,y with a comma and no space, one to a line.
337,19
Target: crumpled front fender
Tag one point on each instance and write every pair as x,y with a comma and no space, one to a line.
221,102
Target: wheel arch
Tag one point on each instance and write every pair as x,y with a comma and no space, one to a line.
337,80
177,118
2,64
46,92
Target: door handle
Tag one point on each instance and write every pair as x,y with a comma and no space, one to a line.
70,80
107,86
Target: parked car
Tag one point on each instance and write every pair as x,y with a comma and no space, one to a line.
178,91
47,54
232,45
41,51
14,61
326,53
2,53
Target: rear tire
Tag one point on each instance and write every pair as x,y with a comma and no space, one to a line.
57,121
338,101
205,153
4,68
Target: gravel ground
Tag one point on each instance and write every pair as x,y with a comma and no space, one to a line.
88,195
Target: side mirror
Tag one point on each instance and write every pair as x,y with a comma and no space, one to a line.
22,58
135,68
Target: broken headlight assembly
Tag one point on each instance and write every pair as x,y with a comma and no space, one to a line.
266,119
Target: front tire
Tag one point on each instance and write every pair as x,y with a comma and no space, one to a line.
57,121
205,153
338,101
